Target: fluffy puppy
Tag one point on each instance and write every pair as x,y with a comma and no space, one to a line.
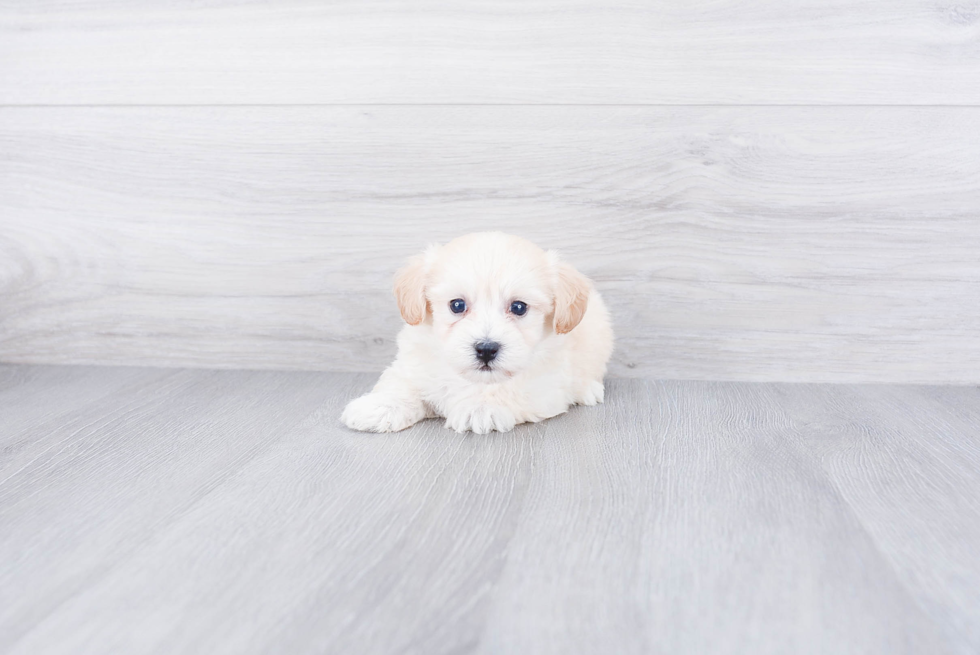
499,332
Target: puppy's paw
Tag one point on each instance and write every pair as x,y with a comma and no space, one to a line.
594,393
481,419
375,412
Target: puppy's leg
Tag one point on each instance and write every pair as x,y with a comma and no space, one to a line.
482,411
394,404
507,406
591,392
480,417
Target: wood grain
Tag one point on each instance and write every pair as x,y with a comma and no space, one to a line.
30,427
230,512
91,488
908,471
685,518
475,51
791,243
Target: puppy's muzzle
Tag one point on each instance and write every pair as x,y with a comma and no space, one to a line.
486,351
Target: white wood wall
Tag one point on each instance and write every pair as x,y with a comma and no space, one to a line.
762,190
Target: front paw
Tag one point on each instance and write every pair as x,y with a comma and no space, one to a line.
593,393
374,412
481,419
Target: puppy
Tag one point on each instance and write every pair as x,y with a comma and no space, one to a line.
499,332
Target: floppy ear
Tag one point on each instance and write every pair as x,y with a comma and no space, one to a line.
571,297
410,288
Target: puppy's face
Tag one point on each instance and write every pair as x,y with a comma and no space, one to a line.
492,299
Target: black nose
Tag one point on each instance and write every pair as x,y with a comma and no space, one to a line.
486,351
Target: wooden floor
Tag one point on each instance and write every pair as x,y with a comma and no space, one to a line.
180,511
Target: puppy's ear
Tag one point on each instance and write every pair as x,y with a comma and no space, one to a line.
410,287
571,295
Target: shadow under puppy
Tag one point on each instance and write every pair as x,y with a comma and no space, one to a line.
499,332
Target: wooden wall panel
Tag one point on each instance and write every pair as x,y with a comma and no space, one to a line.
756,243
917,52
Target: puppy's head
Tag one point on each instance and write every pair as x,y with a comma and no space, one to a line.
492,300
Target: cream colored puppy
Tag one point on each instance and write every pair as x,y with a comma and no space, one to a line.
499,332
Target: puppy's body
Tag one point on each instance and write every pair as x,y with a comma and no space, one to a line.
488,367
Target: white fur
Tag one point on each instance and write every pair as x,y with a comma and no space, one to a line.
539,371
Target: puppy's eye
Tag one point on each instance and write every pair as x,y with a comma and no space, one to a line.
457,306
518,308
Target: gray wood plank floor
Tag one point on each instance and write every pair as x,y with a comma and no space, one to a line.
152,510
